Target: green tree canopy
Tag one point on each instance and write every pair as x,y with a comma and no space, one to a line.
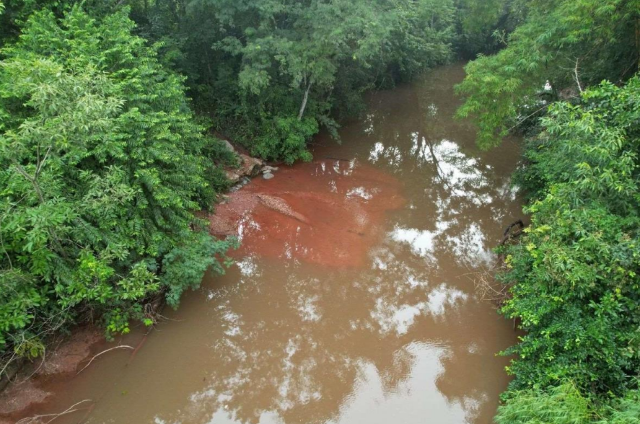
569,43
271,73
102,167
576,273
482,25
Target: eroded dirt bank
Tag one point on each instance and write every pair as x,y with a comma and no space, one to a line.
31,389
30,386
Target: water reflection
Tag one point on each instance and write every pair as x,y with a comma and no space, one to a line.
307,351
299,343
396,337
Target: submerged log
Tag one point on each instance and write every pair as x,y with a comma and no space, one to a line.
280,205
510,233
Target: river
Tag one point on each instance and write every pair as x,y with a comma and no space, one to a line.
359,307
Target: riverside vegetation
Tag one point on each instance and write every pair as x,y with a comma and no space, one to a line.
105,158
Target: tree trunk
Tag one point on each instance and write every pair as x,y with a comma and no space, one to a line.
303,106
638,41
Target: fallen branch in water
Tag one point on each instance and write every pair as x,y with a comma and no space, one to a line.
510,233
490,289
103,352
133,354
487,287
86,415
39,418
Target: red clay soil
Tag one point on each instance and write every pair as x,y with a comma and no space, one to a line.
326,212
67,358
20,397
24,395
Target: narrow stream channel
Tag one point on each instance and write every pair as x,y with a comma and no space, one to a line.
363,317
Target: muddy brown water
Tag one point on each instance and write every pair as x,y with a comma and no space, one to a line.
357,307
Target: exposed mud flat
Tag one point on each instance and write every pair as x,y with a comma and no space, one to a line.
328,212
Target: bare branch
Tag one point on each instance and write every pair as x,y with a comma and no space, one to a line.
576,75
103,352
38,418
32,180
44,160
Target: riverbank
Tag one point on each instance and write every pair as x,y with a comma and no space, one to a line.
351,299
24,384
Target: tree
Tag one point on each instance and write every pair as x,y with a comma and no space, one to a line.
570,44
478,21
102,168
575,275
271,73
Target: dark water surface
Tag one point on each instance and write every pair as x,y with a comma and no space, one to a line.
398,336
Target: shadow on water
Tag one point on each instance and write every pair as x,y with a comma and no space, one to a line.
398,336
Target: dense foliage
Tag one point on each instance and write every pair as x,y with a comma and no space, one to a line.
101,166
571,44
483,25
579,266
573,277
565,404
272,73
103,162
576,274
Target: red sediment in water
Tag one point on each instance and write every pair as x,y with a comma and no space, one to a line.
25,398
68,356
20,397
326,212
